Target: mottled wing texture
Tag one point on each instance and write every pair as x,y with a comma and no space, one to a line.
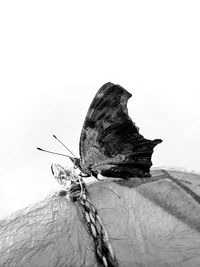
110,143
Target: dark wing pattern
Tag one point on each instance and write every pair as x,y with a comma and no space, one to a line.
110,143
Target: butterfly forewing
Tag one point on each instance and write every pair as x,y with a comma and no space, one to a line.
110,143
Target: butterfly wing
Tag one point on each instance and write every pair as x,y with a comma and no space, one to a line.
110,143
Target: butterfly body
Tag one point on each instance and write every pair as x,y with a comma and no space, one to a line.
110,143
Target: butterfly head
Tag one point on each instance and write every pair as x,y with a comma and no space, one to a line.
76,163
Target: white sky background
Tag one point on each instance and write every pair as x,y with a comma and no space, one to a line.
55,55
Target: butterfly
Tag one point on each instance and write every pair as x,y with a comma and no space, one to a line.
110,143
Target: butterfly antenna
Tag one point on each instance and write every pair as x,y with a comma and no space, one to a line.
43,150
64,145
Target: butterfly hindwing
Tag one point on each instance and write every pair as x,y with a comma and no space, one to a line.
110,143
